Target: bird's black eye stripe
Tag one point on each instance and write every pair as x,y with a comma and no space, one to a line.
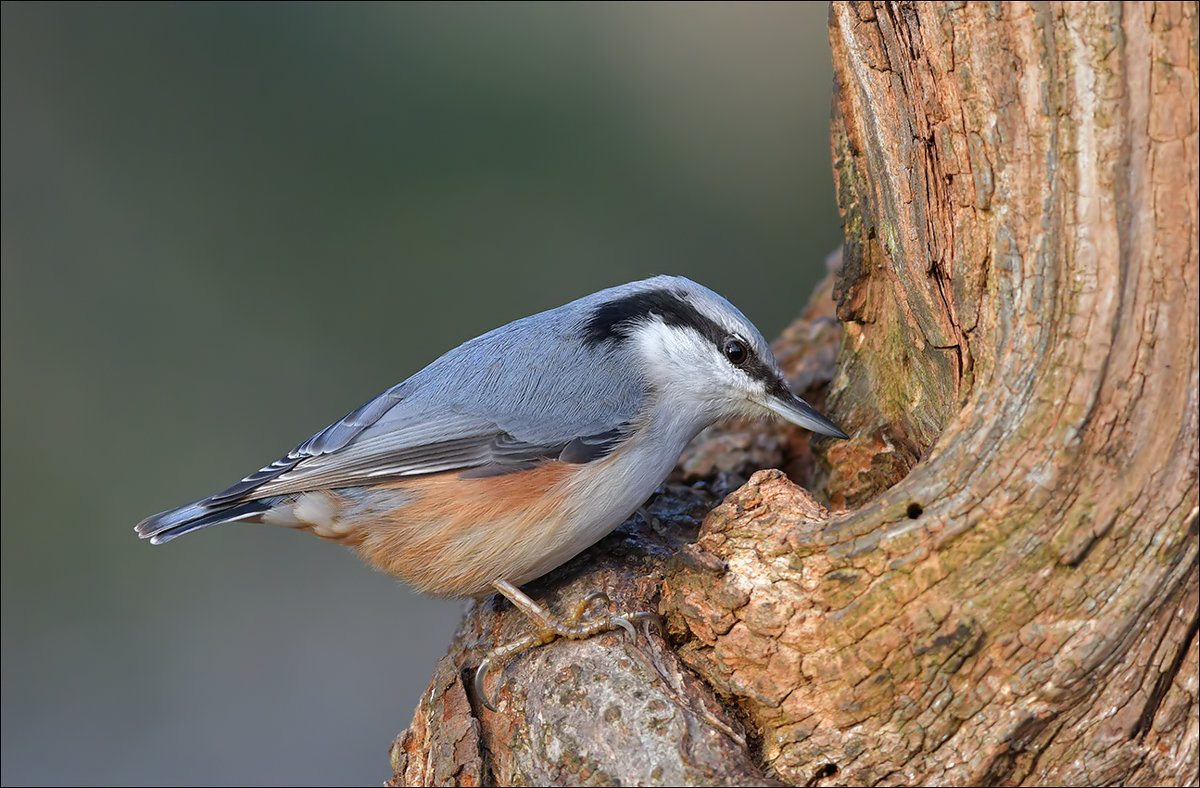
613,321
736,351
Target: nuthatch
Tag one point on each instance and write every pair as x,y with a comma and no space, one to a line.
519,449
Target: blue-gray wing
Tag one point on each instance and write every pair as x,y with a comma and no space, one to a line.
503,402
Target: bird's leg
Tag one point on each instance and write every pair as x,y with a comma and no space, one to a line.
548,627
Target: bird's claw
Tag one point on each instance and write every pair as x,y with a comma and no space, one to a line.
625,624
573,627
480,692
502,652
583,605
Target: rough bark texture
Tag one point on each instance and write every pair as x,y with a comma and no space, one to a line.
1006,590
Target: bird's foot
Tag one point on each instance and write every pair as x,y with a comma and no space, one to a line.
549,627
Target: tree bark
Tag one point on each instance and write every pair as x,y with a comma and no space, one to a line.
1006,588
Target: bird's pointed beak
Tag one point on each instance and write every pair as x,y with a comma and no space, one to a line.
783,403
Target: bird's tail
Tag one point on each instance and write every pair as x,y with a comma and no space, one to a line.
165,526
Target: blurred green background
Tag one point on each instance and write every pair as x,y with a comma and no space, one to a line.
224,226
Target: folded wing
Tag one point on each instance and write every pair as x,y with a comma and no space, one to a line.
487,408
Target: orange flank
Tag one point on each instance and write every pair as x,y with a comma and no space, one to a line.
452,537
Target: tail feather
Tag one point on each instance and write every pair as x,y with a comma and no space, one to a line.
165,526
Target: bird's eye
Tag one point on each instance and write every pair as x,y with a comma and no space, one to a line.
736,351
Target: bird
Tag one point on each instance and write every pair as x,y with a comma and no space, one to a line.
517,450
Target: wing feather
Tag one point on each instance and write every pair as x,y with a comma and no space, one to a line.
497,404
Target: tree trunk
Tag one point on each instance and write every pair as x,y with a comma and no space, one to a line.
1006,590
